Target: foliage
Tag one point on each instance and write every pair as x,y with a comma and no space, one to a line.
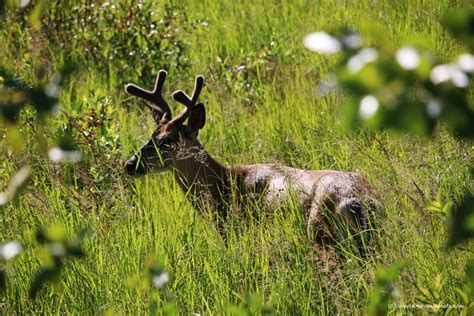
57,248
409,90
459,24
114,35
154,281
252,305
15,94
462,222
241,73
384,288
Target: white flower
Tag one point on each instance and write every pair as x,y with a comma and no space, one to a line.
52,90
24,3
4,198
453,72
10,249
57,249
159,281
57,154
466,62
368,107
363,57
352,40
408,58
460,79
16,183
434,108
322,42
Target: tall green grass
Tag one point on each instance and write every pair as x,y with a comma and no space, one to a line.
269,112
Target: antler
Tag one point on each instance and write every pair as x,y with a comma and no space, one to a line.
189,102
155,97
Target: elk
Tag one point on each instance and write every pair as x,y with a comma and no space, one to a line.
323,194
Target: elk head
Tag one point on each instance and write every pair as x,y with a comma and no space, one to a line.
172,136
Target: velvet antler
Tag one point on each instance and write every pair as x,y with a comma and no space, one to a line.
159,108
189,102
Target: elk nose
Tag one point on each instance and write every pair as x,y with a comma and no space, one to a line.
133,167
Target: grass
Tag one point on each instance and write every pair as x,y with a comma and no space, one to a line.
277,118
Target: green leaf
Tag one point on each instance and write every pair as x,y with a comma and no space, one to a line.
460,24
3,280
35,16
170,309
457,113
55,233
462,222
464,296
42,101
45,275
2,8
383,289
437,206
470,277
11,103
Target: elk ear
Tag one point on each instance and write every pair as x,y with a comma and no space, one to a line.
197,117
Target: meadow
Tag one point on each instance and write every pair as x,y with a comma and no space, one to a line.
262,107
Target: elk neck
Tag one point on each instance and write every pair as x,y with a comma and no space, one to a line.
200,176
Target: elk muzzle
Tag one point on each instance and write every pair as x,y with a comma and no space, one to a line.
134,167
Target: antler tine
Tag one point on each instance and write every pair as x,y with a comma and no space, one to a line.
155,96
189,102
